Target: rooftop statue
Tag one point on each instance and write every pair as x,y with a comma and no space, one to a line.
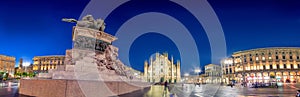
88,22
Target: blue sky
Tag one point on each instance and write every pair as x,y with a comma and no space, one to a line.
34,28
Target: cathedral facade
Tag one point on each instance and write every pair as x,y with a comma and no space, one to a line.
161,69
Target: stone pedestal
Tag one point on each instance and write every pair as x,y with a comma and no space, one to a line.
71,88
92,69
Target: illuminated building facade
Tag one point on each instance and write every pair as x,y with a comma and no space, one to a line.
7,64
45,63
212,73
276,64
161,69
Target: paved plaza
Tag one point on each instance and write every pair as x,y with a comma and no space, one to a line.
214,90
190,90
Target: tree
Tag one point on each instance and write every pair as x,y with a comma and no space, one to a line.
24,74
6,75
18,74
31,74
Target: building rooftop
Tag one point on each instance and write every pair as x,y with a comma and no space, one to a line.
266,48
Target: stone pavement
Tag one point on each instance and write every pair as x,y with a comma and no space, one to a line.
215,90
10,89
190,90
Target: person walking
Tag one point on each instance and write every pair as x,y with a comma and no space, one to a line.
166,85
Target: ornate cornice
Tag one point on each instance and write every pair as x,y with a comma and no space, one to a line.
269,49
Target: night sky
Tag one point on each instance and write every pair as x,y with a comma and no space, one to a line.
34,27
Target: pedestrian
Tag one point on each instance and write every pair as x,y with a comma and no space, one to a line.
166,85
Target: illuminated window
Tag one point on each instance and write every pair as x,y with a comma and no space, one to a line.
263,58
256,58
270,58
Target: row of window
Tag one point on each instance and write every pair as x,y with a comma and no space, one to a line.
47,68
59,62
7,58
264,67
278,66
270,53
270,58
45,59
213,74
